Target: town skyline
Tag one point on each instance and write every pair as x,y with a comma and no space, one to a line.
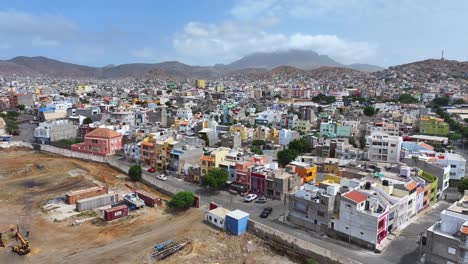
208,32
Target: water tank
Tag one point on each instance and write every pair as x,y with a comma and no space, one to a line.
333,189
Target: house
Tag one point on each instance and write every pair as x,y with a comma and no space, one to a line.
307,172
212,158
286,136
236,222
217,217
383,147
51,131
430,125
446,240
363,219
101,141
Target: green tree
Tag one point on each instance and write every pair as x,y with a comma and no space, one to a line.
362,142
135,173
12,114
463,185
257,151
11,126
87,121
407,99
258,142
181,200
369,111
299,145
285,156
204,137
459,101
215,178
168,104
352,141
21,107
441,101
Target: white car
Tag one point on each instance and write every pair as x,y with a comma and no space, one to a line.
250,197
161,177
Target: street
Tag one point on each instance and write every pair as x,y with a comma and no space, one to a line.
402,250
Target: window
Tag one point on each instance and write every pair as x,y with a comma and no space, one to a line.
453,166
452,250
315,222
210,217
216,220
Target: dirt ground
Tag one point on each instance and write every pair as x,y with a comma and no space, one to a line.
28,179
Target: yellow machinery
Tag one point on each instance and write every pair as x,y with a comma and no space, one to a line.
23,247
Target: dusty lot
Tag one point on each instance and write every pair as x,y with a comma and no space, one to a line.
28,179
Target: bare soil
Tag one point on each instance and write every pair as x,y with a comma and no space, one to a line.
28,179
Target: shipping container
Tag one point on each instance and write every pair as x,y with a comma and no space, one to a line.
150,199
95,202
236,222
73,196
115,212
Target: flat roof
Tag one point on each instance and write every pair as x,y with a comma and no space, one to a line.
238,214
220,211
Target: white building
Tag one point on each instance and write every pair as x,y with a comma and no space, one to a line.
217,217
184,113
52,131
455,161
383,147
286,136
62,105
385,128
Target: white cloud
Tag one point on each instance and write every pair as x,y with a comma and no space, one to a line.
211,43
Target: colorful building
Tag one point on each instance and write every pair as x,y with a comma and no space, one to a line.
101,141
306,171
433,126
242,130
211,159
200,84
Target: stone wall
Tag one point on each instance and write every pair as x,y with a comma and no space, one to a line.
300,247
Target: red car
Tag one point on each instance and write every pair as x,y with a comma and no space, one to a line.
151,170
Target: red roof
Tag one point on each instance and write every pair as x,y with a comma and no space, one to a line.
355,196
103,133
411,185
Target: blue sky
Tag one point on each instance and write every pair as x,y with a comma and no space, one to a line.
205,32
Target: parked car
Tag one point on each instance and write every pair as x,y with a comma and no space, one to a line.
151,170
266,212
250,197
261,199
162,177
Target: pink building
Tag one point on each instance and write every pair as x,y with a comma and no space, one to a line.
243,169
101,141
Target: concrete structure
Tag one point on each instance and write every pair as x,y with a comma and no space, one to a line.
383,147
433,126
237,222
212,158
286,136
101,141
217,217
456,162
52,131
447,239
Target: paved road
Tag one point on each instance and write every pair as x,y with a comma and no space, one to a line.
404,248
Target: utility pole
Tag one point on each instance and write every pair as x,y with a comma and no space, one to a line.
420,247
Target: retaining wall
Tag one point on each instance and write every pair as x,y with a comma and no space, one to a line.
299,246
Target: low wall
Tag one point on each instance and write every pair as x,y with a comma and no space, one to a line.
15,144
298,246
158,185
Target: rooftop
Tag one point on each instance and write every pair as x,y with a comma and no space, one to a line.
355,196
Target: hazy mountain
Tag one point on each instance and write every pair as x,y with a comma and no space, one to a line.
365,67
269,60
50,67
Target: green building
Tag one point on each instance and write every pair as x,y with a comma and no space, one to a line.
430,125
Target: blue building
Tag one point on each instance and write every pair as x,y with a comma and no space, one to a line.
236,222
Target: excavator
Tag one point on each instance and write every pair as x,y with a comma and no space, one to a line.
23,247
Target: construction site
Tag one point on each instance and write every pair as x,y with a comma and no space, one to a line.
42,221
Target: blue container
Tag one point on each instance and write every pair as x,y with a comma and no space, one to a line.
236,222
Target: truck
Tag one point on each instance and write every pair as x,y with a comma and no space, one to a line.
132,199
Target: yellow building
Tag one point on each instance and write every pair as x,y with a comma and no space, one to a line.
200,84
242,130
331,167
163,148
266,133
333,178
212,159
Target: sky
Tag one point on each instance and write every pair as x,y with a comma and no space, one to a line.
206,32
